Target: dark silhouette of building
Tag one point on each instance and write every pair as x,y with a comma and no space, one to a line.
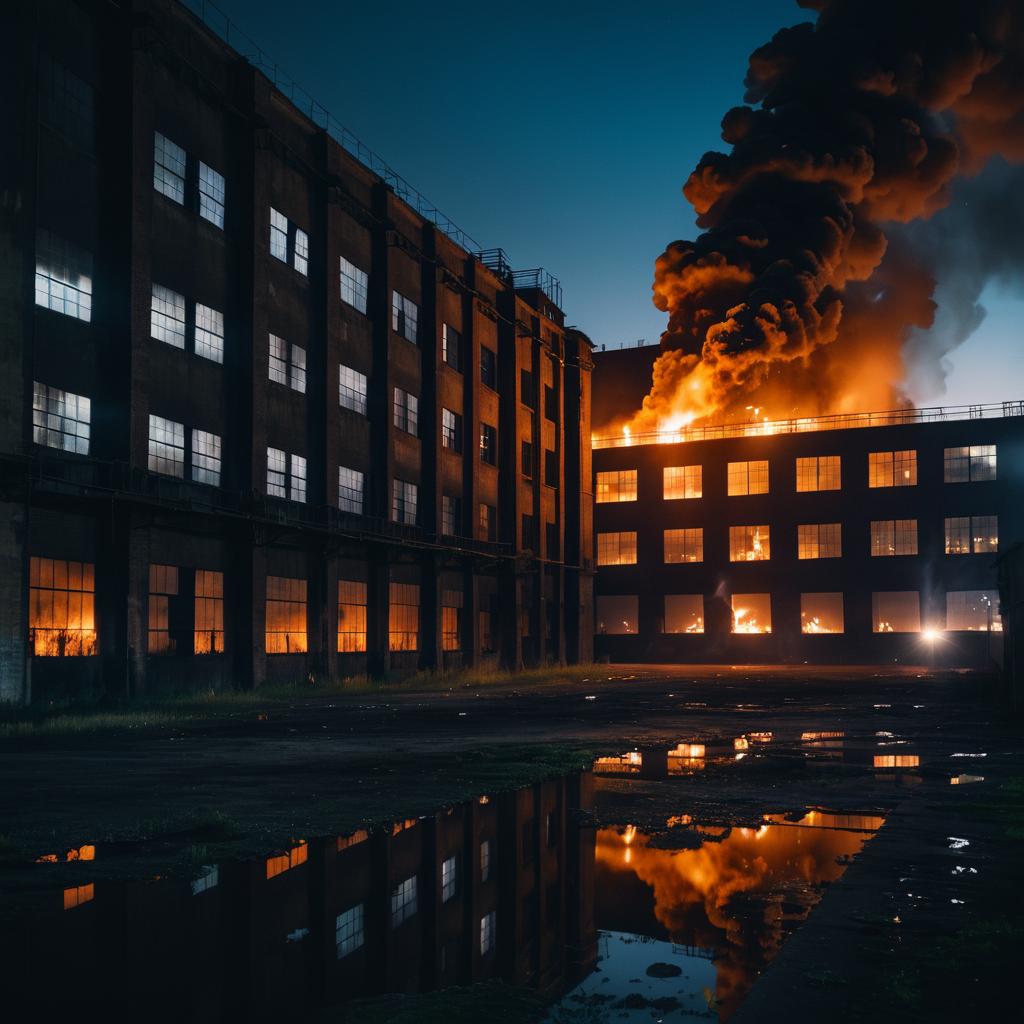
852,538
265,415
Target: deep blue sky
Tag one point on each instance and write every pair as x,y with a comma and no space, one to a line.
562,132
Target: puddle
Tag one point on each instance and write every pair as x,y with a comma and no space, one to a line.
613,922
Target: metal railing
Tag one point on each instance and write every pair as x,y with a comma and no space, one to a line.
836,421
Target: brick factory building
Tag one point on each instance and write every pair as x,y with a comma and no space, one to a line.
260,420
857,538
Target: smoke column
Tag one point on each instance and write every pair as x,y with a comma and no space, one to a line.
822,256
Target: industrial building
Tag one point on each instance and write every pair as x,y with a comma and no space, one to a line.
870,538
266,416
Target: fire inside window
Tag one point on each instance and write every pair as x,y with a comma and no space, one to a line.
751,613
404,617
819,540
286,616
967,535
451,620
821,613
748,477
617,615
749,544
685,545
818,473
61,618
896,611
208,627
163,586
351,616
890,537
682,482
892,469
616,485
684,613
616,548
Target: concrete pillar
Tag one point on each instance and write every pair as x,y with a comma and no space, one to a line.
15,682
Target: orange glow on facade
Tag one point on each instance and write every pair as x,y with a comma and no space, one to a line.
897,761
77,895
62,616
286,861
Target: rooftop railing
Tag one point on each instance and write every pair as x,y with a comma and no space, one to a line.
836,421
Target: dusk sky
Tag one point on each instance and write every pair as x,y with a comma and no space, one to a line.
563,134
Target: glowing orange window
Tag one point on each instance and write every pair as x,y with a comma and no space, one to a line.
62,617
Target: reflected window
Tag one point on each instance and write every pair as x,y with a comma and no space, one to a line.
896,611
350,490
348,931
60,419
286,616
973,462
616,548
354,285
684,545
63,280
967,535
749,544
616,485
351,389
617,615
206,457
208,632
287,364
406,410
819,540
403,901
286,475
821,613
448,880
890,537
748,477
684,613
682,482
404,317
166,447
404,501
351,616
892,469
288,243
404,617
751,613
167,316
973,611
61,620
488,932
209,333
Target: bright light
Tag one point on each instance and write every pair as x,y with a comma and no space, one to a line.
931,635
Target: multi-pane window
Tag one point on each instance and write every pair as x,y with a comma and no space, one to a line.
168,168
616,548
406,412
350,490
967,535
748,477
163,585
818,473
975,462
286,616
616,485
448,879
451,515
821,613
403,901
451,430
300,257
686,545
209,337
451,346
351,616
286,475
349,934
351,389
488,522
66,103
896,611
61,610
488,444
208,628
63,279
404,316
485,860
278,235
166,446
687,481
404,499
60,419
751,613
527,458
893,537
527,389
288,243
297,478
403,617
892,469
749,544
287,364
167,316
211,195
488,932
206,457
973,610
354,285
684,613
617,614
819,540
451,620
488,367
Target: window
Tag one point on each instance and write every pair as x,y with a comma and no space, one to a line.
166,447
821,613
818,473
895,611
488,522
527,458
209,336
403,901
66,103
348,931
550,467
977,462
893,537
206,458
404,617
163,585
278,235
488,367
488,932
60,419
973,611
297,478
451,431
351,616
748,477
551,403
751,613
819,540
300,258
404,497
682,482
352,389
486,624
211,195
488,444
451,620
485,860
892,469
350,490
618,615
406,412
354,284
527,389
684,545
967,535
61,609
287,364
208,628
749,544
287,240
168,168
551,539
286,475
208,879
63,276
684,613
286,616
404,317
529,533
167,316
616,485
451,346
616,548
451,515
448,879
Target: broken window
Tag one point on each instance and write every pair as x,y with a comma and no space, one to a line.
686,481
685,545
451,620
286,616
967,535
403,617
616,548
406,412
60,419
166,447
821,613
749,544
404,317
684,613
618,615
819,540
895,611
973,611
288,243
892,469
751,613
352,389
354,285
451,431
351,616
616,485
63,280
893,537
61,616
975,462
404,500
208,627
818,473
350,490
163,585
